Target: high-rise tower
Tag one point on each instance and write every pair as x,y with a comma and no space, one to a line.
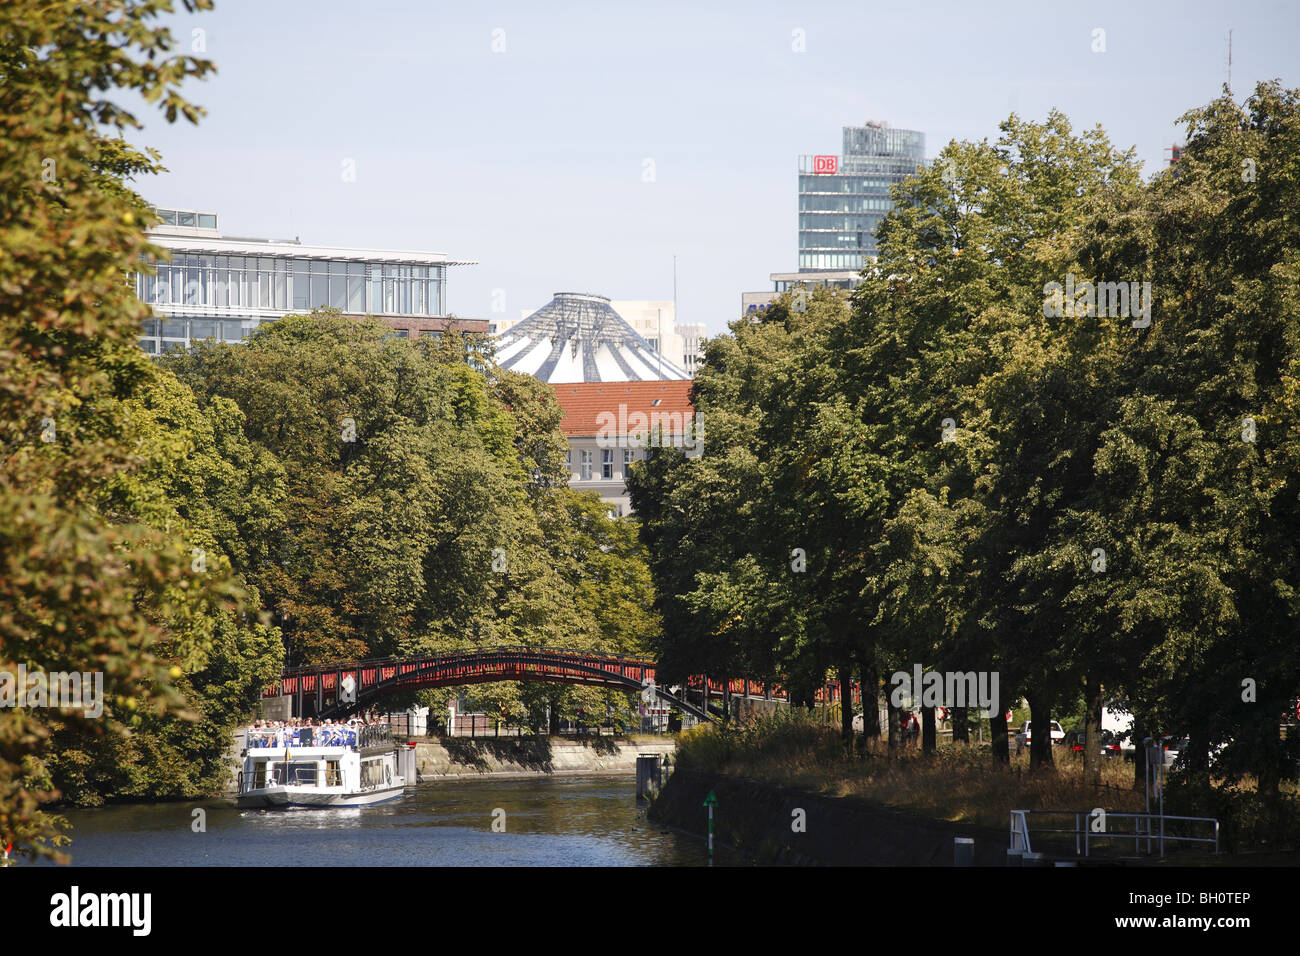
843,198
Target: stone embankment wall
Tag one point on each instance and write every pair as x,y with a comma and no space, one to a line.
760,819
526,756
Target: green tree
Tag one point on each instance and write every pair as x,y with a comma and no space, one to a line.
74,577
427,506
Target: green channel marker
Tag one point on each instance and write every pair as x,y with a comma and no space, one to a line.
711,801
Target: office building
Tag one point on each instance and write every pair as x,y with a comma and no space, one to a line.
224,287
843,198
755,302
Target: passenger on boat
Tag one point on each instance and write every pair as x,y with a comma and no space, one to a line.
298,732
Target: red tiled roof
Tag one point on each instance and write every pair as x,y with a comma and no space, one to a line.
583,403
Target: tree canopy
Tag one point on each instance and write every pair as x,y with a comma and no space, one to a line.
1052,435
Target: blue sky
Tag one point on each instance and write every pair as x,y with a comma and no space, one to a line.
532,160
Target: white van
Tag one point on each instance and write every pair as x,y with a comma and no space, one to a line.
1117,724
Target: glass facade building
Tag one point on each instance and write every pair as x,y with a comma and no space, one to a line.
842,199
224,288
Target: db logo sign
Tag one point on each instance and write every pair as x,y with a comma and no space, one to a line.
825,164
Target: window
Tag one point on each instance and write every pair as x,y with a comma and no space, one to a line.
320,293
586,465
301,288
568,461
607,463
203,329
629,456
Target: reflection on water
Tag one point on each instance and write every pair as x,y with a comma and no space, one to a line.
549,821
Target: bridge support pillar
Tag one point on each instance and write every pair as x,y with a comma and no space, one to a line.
648,776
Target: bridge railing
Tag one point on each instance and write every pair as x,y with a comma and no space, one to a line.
468,652
372,675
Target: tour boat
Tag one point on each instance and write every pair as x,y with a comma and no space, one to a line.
358,773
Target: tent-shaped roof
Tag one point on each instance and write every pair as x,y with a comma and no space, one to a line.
580,338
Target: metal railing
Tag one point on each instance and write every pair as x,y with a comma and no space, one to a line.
1148,828
374,735
276,776
354,737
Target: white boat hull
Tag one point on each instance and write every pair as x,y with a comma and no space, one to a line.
309,797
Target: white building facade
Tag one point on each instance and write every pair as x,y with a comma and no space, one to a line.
224,287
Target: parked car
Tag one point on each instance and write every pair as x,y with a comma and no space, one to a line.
1174,747
1111,744
1074,740
1117,722
1025,736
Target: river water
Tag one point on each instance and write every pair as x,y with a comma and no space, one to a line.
548,821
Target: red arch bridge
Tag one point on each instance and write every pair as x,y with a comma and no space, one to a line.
333,689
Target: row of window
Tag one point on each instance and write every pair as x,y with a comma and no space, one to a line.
177,333
813,282
834,241
884,139
832,204
826,220
181,217
842,184
831,260
585,463
248,282
316,267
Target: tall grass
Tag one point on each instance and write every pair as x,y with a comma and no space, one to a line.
959,782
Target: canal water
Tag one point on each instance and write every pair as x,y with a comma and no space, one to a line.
546,821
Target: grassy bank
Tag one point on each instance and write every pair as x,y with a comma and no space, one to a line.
959,782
